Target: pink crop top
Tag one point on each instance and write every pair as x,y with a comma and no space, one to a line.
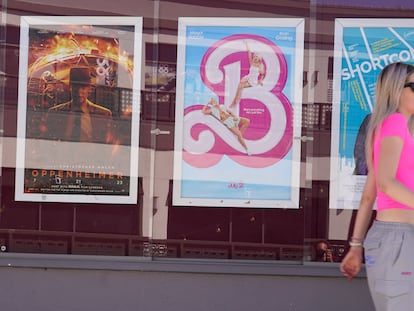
396,125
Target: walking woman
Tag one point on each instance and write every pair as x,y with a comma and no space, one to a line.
389,243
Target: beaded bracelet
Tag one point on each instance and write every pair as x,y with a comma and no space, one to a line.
355,243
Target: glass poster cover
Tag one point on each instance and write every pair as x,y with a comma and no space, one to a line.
78,109
238,112
363,47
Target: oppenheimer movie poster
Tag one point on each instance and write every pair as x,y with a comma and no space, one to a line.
78,109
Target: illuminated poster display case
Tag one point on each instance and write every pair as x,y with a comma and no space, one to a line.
238,96
78,109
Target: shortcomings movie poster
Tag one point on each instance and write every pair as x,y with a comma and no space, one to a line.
78,109
238,112
363,47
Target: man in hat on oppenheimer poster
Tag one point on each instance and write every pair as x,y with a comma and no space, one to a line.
80,119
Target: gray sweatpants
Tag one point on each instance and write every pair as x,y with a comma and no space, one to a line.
389,261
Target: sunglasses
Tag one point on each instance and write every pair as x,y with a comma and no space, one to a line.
410,85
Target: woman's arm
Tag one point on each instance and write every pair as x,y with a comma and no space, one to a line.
351,264
366,204
249,53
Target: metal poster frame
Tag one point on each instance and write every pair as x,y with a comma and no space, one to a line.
253,163
60,54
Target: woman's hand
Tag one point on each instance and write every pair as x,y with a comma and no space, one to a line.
351,264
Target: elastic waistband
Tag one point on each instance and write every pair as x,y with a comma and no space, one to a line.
392,226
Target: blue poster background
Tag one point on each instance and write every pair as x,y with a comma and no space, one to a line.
365,52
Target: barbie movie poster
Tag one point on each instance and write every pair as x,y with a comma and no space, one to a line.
238,112
363,47
77,136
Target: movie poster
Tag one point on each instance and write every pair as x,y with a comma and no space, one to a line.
363,47
78,109
238,112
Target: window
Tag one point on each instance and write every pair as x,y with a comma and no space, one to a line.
187,49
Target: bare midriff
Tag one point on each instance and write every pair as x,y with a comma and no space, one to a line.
396,215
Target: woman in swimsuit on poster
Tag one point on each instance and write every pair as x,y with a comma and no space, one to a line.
255,77
237,125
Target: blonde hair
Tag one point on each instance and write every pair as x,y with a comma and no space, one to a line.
390,84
